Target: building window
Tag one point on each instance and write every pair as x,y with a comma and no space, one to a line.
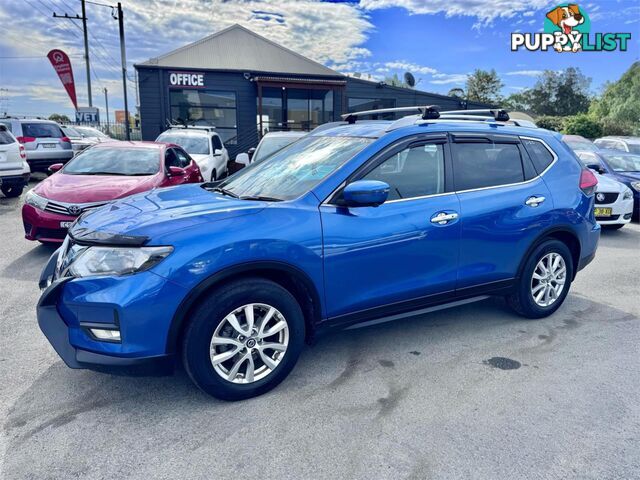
294,109
206,107
362,104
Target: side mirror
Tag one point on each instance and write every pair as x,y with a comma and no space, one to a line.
250,152
365,193
176,172
597,168
217,152
55,167
243,159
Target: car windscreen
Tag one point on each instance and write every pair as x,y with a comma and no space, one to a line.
115,161
5,137
623,162
41,130
71,132
193,145
269,145
91,132
289,173
581,145
634,148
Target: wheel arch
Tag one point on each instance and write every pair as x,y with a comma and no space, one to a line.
289,277
564,234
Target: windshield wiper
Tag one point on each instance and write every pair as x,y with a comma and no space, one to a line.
261,198
224,191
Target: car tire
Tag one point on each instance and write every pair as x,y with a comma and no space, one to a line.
211,336
214,175
613,227
537,294
12,192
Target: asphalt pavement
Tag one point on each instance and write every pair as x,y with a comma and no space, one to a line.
473,392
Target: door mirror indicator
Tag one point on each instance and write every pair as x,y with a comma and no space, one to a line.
365,193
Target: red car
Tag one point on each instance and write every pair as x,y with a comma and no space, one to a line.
100,174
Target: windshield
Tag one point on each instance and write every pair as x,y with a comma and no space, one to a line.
581,145
270,145
295,170
115,161
194,145
623,162
634,148
91,132
71,132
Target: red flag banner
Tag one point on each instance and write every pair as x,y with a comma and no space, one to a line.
62,65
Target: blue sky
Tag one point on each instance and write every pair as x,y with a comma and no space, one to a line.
439,41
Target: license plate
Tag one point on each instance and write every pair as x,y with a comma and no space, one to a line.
66,224
49,145
602,212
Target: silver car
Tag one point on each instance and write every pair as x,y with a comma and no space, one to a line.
44,141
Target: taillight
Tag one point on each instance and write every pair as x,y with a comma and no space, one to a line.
26,139
65,139
23,154
588,181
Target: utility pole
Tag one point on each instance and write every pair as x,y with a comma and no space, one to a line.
106,104
123,56
86,44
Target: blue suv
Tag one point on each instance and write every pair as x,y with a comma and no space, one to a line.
357,221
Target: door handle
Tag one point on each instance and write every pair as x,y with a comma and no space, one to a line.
443,218
534,201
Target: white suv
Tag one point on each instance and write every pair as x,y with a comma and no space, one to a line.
14,169
202,144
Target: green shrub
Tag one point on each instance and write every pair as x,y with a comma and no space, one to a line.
612,126
582,125
551,123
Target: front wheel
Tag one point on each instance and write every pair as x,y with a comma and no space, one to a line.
12,192
244,339
544,281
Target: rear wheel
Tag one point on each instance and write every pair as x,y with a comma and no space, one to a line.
12,192
544,282
244,339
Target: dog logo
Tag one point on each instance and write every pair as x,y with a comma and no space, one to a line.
567,28
567,19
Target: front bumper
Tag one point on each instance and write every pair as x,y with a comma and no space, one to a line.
621,212
69,307
44,226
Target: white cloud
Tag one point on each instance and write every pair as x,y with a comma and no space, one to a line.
410,67
484,10
448,78
526,73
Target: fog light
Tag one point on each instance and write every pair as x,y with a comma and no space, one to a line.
108,335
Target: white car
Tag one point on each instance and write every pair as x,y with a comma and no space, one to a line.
613,203
270,144
14,169
203,145
93,134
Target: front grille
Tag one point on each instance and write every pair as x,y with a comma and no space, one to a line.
604,219
608,197
56,208
55,233
68,209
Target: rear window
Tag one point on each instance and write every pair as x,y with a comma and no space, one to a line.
6,124
6,138
41,130
540,155
479,165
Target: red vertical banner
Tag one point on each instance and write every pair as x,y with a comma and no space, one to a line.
62,65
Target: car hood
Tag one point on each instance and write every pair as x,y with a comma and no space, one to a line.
607,184
93,188
199,157
163,211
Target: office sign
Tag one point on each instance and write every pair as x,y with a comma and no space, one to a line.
186,79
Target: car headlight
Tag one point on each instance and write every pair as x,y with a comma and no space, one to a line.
636,186
627,195
117,260
35,200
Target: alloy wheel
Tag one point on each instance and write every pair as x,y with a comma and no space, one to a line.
548,279
249,343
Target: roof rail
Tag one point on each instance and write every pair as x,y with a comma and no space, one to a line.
498,114
428,112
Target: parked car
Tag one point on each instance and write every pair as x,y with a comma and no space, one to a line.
204,145
577,142
43,140
93,134
270,143
355,223
14,169
621,166
625,144
78,141
98,175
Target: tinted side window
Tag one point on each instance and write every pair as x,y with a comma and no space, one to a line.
6,124
42,130
5,137
215,141
171,159
414,172
478,165
183,158
540,155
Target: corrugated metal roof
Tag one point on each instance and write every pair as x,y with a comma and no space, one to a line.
237,48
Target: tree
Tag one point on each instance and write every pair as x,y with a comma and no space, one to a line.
560,93
456,92
551,123
519,101
484,86
60,118
395,81
619,106
582,125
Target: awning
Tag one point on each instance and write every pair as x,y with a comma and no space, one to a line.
297,82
